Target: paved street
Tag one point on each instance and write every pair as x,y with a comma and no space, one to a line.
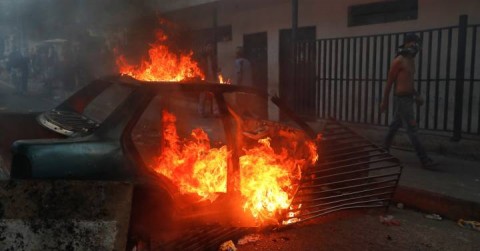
359,231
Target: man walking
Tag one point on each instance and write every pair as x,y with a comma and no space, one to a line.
401,73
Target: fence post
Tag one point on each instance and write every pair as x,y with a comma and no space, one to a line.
460,76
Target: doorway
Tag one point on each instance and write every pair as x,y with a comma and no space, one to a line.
287,87
255,48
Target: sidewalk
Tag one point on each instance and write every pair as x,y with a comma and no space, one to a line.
452,191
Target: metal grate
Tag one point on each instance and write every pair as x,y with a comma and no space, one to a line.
352,173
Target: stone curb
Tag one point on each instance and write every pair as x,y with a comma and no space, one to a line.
431,202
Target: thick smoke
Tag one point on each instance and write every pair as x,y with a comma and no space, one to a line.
63,44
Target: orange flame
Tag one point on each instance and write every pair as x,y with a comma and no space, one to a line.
267,178
223,80
192,164
162,65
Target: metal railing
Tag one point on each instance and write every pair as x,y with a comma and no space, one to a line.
351,173
344,78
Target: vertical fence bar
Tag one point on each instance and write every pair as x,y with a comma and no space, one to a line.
324,98
429,70
389,61
397,44
374,80
380,78
367,80
419,79
354,81
460,76
300,75
472,76
312,78
447,79
317,79
335,82
296,76
342,65
437,81
330,76
360,78
306,79
304,99
306,71
347,84
478,116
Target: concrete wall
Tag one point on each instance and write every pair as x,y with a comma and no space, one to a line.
329,17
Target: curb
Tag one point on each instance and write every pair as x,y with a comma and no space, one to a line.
431,202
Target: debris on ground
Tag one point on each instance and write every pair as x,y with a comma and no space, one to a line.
227,246
433,216
470,224
249,238
389,220
400,205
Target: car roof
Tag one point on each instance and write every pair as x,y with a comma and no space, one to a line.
191,85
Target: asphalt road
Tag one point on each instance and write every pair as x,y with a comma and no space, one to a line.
362,230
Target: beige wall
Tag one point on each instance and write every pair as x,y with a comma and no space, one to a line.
329,17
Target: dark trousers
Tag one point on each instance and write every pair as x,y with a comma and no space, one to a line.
403,114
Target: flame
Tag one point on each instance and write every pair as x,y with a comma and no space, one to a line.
223,80
192,164
267,178
162,64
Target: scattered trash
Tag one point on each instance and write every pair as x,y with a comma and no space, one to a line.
400,205
433,216
249,238
227,246
475,225
389,220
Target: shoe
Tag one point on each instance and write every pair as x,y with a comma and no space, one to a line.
429,164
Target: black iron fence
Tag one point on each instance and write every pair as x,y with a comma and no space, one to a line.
344,78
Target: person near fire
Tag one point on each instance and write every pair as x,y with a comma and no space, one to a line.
243,69
401,76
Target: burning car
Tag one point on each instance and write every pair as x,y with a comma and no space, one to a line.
119,128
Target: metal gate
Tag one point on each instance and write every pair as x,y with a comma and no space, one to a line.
344,78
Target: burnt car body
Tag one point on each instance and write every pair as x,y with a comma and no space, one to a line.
82,140
110,130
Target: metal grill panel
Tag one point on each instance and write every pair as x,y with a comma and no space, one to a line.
352,173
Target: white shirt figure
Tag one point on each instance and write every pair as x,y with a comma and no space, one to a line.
243,70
